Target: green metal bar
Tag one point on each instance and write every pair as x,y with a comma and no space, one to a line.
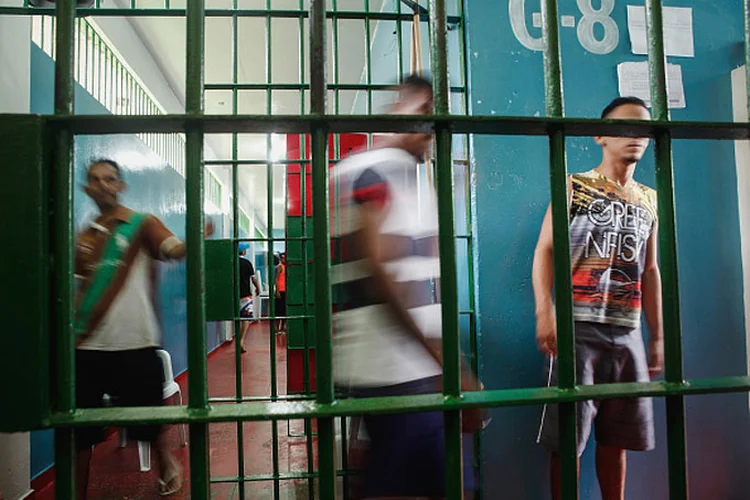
657,60
561,236
746,5
53,40
238,325
78,49
253,162
368,58
668,244
319,156
295,124
111,82
284,476
263,411
269,261
89,67
336,85
470,180
676,432
41,36
447,245
128,12
63,249
305,86
400,41
99,68
197,367
282,397
303,162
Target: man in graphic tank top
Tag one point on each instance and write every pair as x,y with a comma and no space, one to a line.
615,275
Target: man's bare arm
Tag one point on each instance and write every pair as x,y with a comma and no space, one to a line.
652,305
542,279
178,250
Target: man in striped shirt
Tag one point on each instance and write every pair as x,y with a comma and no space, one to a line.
387,332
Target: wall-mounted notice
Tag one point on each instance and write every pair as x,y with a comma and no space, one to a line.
678,30
633,81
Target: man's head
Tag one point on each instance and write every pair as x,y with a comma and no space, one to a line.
625,149
414,98
283,258
243,247
104,183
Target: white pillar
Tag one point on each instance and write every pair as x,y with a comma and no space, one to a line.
742,159
15,469
15,61
15,89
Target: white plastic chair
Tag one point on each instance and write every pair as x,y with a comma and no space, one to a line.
170,390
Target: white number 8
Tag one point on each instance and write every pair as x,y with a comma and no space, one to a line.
590,18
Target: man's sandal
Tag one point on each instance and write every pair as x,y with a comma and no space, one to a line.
174,479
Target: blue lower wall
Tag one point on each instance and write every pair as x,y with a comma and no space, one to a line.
153,187
512,193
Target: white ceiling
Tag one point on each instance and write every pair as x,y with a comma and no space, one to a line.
165,39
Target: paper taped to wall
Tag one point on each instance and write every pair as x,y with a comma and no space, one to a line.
678,30
633,81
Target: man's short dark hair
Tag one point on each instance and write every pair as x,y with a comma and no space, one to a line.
416,82
623,101
107,161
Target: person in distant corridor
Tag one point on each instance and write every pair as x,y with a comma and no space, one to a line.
117,331
247,276
613,236
280,306
387,334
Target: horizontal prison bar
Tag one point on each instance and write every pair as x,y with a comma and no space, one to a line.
282,476
306,86
305,238
290,410
531,126
246,399
279,14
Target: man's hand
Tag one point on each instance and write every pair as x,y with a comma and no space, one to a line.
655,357
210,228
546,331
278,294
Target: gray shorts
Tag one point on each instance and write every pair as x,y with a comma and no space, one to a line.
607,354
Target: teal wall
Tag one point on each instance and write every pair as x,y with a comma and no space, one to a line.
512,193
153,187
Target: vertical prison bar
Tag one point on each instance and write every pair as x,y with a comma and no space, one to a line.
746,13
322,275
197,366
447,247
553,92
63,248
238,324
269,258
676,446
304,242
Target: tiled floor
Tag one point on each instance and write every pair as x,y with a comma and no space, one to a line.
115,473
